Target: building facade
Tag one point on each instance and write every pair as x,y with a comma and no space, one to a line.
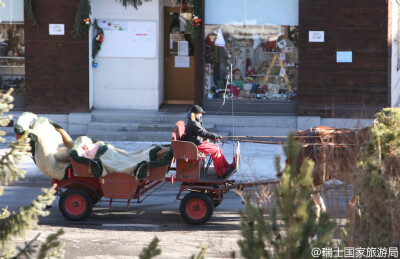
332,59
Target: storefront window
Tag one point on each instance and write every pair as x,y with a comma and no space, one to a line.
260,45
12,47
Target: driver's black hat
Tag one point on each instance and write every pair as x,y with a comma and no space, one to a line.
197,109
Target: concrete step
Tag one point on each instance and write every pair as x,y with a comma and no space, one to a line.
219,120
135,116
151,136
155,136
133,121
135,127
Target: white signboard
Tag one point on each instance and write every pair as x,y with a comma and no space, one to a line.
181,61
56,29
316,36
183,48
129,39
344,56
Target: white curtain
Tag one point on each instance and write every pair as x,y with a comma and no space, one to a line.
252,12
13,11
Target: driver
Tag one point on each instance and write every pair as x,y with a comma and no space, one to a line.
195,132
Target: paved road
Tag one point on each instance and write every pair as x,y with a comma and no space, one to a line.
122,233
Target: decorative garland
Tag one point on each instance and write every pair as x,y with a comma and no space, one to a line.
97,41
134,3
193,27
29,11
82,20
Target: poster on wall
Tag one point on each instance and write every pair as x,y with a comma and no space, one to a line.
113,25
129,39
56,29
344,56
316,36
182,61
183,48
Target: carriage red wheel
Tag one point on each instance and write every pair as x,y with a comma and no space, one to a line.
196,208
75,204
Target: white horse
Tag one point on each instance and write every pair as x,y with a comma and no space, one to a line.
50,144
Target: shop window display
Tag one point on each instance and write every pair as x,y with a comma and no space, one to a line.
263,58
12,47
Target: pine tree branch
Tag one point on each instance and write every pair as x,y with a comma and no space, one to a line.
97,39
10,160
81,28
134,3
201,254
150,251
30,13
26,218
28,249
52,242
265,238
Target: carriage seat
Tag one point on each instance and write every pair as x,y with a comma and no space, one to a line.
185,150
188,158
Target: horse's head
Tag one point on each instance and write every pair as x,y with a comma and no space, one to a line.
24,122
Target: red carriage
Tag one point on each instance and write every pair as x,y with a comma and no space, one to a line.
81,190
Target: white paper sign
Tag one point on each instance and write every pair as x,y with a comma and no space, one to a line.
282,56
316,36
182,61
344,56
56,29
282,43
183,48
282,72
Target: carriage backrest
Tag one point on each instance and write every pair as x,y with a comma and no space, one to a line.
179,130
182,149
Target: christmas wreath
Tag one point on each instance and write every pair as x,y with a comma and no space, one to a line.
82,20
29,11
97,41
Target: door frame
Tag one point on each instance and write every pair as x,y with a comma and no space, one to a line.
199,52
199,61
